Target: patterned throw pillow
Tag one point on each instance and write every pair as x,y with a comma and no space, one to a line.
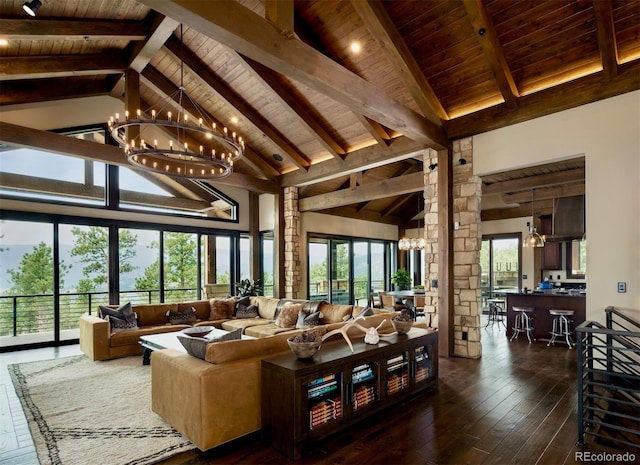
176,317
244,311
118,325
242,302
288,316
306,319
120,319
221,309
197,346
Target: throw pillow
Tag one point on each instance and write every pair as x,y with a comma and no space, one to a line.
307,319
247,312
118,325
221,309
125,312
288,315
176,317
241,302
197,346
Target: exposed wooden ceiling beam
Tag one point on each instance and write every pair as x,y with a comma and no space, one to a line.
545,193
21,136
44,90
535,182
403,170
488,39
397,206
31,67
374,217
207,77
571,94
238,27
391,42
86,29
295,104
160,84
606,37
371,191
160,29
544,207
280,14
367,158
374,128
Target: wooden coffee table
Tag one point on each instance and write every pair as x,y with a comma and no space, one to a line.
170,341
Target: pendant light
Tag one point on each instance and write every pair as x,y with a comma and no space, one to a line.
533,239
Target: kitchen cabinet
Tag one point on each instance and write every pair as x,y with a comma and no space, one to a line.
551,253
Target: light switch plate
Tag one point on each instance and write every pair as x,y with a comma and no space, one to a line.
622,287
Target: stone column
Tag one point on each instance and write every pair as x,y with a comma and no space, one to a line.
430,157
291,243
467,241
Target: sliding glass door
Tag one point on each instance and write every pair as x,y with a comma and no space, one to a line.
500,259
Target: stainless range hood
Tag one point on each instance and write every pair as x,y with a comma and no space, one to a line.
568,218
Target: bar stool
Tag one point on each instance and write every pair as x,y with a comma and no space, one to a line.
522,323
561,326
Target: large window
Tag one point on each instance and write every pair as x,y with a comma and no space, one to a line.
500,259
266,262
346,270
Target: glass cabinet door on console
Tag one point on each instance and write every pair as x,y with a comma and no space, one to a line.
422,364
324,396
397,373
364,385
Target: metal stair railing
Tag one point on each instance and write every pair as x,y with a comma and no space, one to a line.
609,379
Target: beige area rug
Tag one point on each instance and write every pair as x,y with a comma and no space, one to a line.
83,413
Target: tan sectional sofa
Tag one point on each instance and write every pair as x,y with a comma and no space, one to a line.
218,399
97,342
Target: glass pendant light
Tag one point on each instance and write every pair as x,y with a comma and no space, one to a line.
533,239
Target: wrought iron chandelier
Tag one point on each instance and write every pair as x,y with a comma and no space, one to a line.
210,160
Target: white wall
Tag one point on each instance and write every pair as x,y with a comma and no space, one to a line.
608,134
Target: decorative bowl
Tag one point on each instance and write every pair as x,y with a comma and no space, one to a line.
304,349
402,326
198,331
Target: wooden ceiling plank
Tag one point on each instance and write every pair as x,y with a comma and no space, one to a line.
21,136
545,193
543,207
363,159
493,52
374,217
157,81
44,90
397,206
371,191
31,67
391,42
54,29
568,95
535,182
246,32
606,37
216,84
161,28
298,109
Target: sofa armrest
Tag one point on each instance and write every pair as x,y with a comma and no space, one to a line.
208,403
94,337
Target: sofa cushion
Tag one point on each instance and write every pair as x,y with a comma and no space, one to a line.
186,317
266,330
288,315
221,308
266,306
153,314
243,323
197,346
307,319
132,337
334,313
229,351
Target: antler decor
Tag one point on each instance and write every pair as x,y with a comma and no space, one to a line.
371,334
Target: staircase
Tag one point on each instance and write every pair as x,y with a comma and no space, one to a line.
609,380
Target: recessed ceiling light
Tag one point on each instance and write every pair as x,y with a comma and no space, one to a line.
4,42
234,119
355,47
277,157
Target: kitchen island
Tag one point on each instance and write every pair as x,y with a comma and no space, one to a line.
541,304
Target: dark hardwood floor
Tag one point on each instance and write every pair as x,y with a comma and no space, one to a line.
517,404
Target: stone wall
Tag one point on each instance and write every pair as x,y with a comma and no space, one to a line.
430,236
291,243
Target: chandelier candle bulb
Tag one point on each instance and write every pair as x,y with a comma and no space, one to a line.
200,122
169,116
201,150
153,114
155,144
126,115
139,113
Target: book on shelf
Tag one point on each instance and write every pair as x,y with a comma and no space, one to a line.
324,379
322,389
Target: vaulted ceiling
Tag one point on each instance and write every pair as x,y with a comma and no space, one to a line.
318,115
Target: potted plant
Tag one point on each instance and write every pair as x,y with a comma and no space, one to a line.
246,287
401,280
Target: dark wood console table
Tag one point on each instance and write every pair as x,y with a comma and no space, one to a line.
304,401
